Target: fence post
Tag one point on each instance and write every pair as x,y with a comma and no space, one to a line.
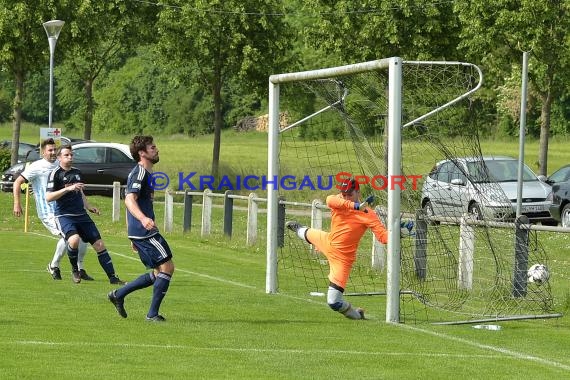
228,213
280,222
168,212
316,214
420,255
187,222
252,208
521,256
466,252
378,255
206,212
116,201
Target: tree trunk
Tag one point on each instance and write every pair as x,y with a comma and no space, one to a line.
217,126
544,133
17,115
89,109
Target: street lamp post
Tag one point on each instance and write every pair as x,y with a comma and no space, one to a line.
52,28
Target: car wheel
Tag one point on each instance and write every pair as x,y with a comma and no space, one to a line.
475,209
565,216
429,213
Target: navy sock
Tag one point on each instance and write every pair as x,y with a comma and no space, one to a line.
143,281
161,285
72,253
106,263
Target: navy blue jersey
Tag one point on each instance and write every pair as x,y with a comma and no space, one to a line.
138,183
70,203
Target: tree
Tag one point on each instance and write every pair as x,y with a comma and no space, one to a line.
224,39
363,30
496,32
23,48
102,34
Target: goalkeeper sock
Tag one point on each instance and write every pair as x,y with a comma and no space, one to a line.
302,233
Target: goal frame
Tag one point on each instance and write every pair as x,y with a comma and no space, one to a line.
394,66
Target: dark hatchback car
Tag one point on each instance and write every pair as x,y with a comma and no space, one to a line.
560,208
100,164
23,148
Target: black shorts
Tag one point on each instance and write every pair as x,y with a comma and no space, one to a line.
153,251
82,225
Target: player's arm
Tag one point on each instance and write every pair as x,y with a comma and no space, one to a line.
54,195
87,206
336,202
134,209
17,198
378,229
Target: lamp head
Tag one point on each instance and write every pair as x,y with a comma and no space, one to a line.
53,28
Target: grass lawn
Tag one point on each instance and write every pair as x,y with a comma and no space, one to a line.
220,322
222,325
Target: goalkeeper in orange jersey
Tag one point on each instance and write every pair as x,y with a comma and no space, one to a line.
350,218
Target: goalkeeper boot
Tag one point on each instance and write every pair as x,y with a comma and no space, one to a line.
293,225
361,312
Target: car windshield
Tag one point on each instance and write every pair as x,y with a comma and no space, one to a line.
560,175
498,171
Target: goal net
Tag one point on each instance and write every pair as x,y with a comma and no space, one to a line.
388,122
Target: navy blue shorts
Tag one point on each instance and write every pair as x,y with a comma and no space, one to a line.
82,225
153,251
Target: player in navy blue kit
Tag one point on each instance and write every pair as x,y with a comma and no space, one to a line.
145,239
65,187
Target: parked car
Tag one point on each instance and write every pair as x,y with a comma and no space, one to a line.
487,188
100,164
23,148
34,154
560,208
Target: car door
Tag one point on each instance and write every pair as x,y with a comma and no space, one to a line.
117,166
102,165
441,192
91,161
459,195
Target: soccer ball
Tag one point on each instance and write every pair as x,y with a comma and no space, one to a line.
538,273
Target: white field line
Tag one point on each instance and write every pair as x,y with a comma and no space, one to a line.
250,350
503,351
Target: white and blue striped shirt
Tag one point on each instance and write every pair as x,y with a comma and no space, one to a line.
37,174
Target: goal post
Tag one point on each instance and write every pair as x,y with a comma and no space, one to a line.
385,120
394,67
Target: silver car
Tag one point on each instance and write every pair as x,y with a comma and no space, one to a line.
487,188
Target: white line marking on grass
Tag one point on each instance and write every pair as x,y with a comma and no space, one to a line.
504,351
256,350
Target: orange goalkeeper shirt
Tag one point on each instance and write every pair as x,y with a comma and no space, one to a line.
348,225
341,243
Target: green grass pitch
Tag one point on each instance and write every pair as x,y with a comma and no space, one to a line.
222,325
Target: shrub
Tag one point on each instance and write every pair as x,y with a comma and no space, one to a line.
5,159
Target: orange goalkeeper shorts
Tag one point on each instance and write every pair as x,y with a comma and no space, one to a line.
340,263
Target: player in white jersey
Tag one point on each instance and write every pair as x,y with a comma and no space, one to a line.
37,174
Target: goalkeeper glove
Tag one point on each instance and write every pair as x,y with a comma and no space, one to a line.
406,228
362,206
